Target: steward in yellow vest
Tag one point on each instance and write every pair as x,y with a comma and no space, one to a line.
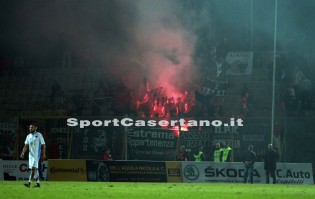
226,152
217,154
199,155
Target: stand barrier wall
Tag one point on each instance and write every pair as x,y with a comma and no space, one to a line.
150,171
18,169
233,172
1,170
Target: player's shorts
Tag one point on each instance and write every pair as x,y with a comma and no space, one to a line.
33,162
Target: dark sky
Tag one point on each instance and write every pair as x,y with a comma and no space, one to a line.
42,28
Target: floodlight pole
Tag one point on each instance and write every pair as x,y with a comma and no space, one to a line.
251,25
274,73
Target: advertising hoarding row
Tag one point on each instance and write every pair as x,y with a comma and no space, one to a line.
18,169
233,172
150,171
197,172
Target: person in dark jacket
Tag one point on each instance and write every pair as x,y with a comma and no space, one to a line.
249,160
271,158
182,154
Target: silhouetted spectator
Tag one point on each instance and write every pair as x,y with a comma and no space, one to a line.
270,163
180,107
306,89
182,154
245,105
283,80
170,108
289,102
249,159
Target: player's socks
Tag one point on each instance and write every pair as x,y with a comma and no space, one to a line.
36,175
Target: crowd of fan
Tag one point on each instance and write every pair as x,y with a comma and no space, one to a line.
295,91
112,98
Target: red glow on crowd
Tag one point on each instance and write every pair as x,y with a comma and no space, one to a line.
156,104
176,131
167,65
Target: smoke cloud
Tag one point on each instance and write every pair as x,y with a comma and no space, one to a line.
157,48
165,46
154,40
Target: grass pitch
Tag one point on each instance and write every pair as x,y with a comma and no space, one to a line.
136,190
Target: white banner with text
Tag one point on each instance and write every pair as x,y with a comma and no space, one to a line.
18,169
233,172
